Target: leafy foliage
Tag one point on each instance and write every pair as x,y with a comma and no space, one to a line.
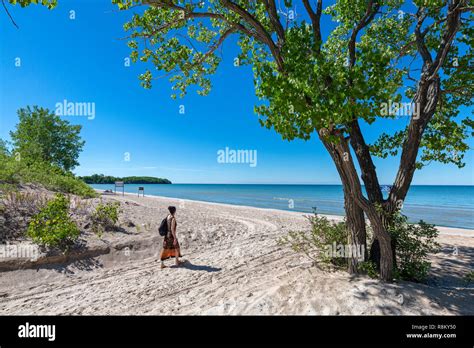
414,243
50,4
370,268
445,139
44,149
16,209
315,242
304,83
14,171
41,135
105,216
52,226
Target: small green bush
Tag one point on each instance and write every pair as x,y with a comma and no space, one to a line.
105,216
369,268
16,210
52,226
414,242
314,243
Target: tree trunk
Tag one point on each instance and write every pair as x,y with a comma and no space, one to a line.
382,251
374,254
355,220
386,255
355,224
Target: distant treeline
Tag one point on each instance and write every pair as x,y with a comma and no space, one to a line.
106,179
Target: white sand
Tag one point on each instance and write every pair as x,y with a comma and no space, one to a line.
235,266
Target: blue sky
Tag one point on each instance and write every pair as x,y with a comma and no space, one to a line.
82,60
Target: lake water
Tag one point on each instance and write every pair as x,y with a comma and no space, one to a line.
451,206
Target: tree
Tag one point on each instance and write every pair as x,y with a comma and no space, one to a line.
42,135
332,86
378,53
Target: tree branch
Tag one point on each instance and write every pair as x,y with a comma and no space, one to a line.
266,37
420,38
426,98
315,20
9,15
361,149
369,15
275,20
452,26
214,47
211,15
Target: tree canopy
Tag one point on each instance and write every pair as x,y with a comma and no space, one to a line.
42,135
307,83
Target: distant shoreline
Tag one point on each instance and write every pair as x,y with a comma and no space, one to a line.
282,184
101,179
128,183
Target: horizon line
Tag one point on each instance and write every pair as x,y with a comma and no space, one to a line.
250,183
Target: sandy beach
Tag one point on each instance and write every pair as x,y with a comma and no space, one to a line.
234,265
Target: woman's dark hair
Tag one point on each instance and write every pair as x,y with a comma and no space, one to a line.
172,210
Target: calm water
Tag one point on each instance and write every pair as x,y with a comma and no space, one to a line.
441,205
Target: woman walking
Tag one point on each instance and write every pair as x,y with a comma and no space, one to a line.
170,243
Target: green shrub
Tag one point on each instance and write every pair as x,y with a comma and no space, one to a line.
315,242
16,210
67,183
13,171
52,226
414,242
369,268
105,216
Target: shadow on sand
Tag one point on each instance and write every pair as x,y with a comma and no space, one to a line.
188,265
445,289
452,266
